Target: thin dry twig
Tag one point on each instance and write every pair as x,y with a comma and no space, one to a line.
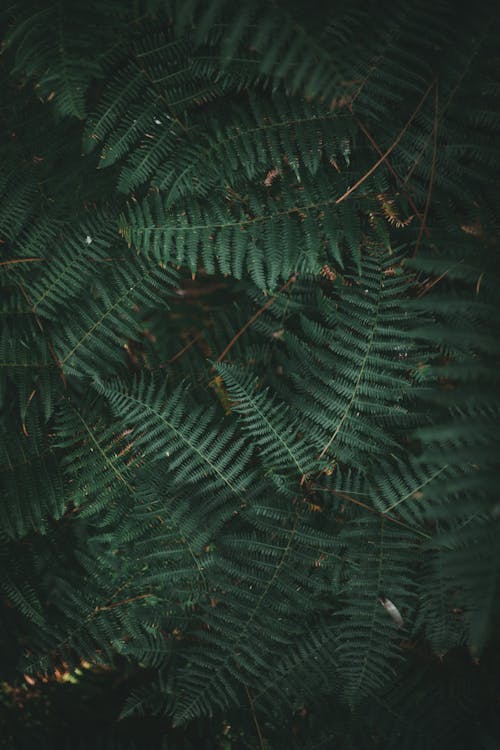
428,287
448,101
433,166
371,510
40,326
183,350
389,150
123,601
254,716
19,260
398,177
254,317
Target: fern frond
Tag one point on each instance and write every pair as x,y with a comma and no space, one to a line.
269,426
55,44
70,267
284,45
28,374
101,332
253,139
32,487
367,659
97,464
163,429
355,373
256,234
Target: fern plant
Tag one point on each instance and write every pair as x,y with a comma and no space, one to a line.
249,365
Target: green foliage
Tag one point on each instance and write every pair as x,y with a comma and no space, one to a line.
249,372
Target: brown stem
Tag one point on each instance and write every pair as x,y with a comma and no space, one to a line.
19,260
40,326
254,716
372,510
123,601
393,172
183,350
433,166
254,317
389,150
